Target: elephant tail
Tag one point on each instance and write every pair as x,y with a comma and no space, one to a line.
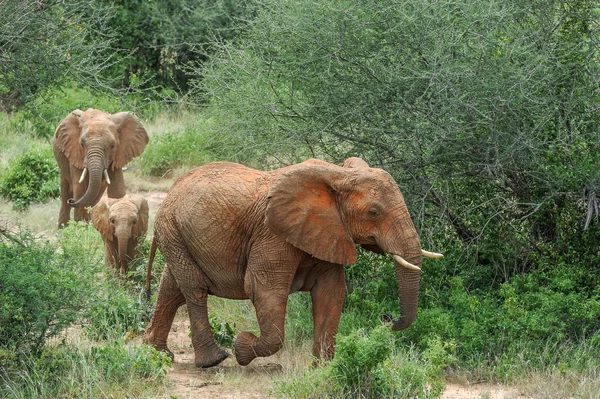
149,266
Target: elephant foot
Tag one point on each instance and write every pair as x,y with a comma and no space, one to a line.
159,346
244,348
211,361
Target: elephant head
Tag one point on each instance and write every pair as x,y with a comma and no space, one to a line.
98,142
121,221
327,210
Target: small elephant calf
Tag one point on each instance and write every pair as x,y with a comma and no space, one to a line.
121,221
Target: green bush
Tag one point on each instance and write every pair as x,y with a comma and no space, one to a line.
114,312
171,150
366,365
117,362
33,177
42,291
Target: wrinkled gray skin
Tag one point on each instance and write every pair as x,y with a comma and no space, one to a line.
102,143
240,233
122,222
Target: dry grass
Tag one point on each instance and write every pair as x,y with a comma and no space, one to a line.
557,384
38,218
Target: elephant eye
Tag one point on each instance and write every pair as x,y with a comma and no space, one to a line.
112,220
373,212
134,221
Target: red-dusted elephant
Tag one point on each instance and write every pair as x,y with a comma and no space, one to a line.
235,232
101,144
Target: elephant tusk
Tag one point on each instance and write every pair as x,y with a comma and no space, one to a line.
83,175
404,263
428,254
106,176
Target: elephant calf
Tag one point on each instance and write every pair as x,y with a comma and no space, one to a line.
122,222
235,232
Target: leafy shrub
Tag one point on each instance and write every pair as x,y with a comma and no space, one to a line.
114,312
33,177
223,333
171,150
357,355
365,366
117,362
42,291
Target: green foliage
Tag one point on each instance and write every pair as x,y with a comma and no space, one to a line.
223,333
46,111
162,38
66,371
365,367
171,150
32,177
358,354
117,362
47,44
115,312
42,291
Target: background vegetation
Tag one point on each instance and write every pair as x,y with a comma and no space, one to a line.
486,114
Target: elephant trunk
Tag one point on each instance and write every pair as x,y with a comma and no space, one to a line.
123,238
408,280
96,167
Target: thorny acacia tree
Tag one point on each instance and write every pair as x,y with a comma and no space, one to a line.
486,113
45,43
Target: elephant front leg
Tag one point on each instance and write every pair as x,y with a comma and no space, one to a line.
327,299
66,192
270,311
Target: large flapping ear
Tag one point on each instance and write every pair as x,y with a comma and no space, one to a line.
141,227
100,217
303,209
67,136
354,162
132,138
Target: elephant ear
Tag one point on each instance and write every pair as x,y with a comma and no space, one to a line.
67,136
132,138
302,208
101,219
141,227
354,162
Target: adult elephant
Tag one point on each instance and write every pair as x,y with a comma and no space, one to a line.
91,149
240,233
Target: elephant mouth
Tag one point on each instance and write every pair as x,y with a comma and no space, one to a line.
408,265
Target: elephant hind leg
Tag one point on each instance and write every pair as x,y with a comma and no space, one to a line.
192,284
170,298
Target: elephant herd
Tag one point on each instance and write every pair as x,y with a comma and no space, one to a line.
227,230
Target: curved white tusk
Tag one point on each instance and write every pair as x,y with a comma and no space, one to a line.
106,176
83,175
406,264
428,254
